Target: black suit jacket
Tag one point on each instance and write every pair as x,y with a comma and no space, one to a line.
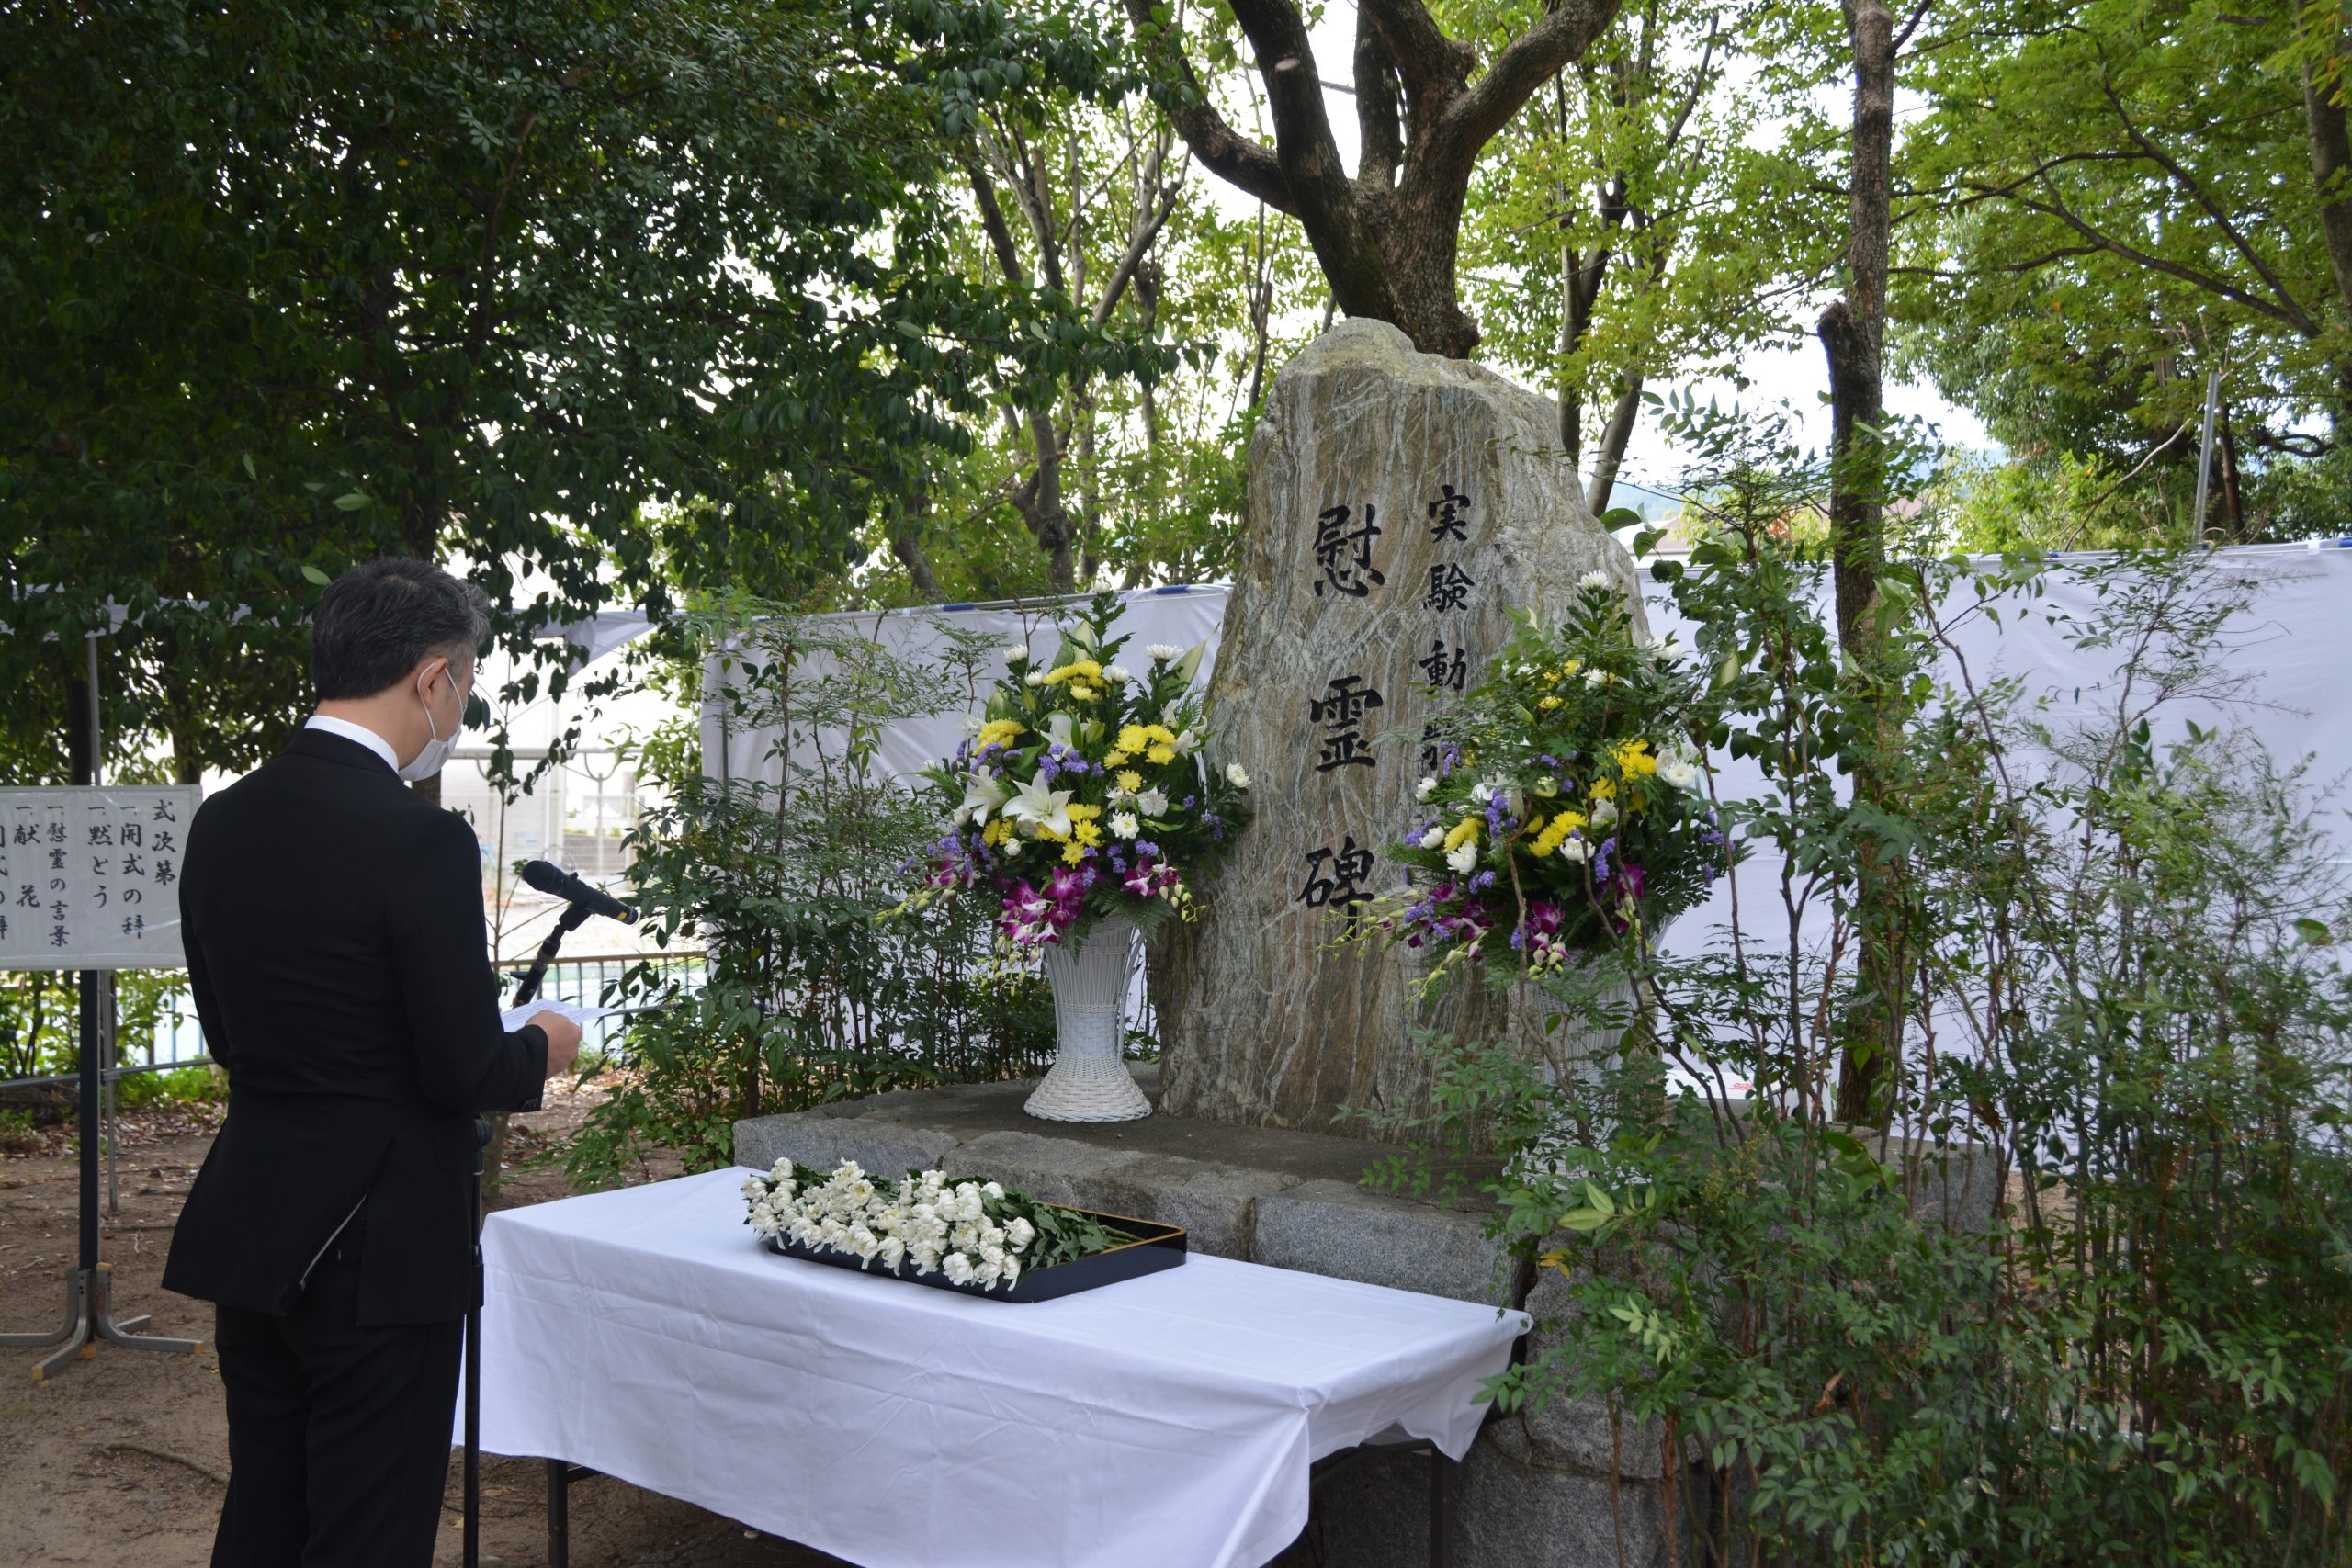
334,925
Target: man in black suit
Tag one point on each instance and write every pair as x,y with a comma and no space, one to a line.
334,925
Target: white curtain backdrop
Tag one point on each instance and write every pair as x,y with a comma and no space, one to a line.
2291,653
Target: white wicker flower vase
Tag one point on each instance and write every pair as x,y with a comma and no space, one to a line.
1089,1082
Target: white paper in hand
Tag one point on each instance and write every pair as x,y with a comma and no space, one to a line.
516,1018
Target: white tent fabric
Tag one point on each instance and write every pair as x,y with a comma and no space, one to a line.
2291,653
1179,615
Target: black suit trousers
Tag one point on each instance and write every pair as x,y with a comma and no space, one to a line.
338,1434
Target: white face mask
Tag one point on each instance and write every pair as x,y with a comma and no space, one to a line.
428,761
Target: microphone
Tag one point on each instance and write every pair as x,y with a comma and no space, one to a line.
559,883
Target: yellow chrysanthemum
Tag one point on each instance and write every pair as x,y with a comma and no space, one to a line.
1555,834
1087,832
1161,753
1130,779
1548,704
996,732
1161,733
1604,789
1083,692
1133,739
1633,759
1464,832
1081,812
1073,853
996,832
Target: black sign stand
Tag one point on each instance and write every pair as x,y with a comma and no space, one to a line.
89,1286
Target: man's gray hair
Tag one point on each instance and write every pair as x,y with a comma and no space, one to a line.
378,621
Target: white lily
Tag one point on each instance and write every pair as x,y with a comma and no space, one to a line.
982,795
1058,728
1047,810
1152,803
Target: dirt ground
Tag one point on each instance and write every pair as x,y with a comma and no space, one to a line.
118,1460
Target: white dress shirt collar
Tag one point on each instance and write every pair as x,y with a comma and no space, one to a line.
358,732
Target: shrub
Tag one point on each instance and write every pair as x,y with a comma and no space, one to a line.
2120,983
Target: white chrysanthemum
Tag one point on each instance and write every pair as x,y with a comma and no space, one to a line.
1235,772
1575,849
959,1267
1117,675
1434,839
1123,824
1463,857
1035,678
1428,787
1164,653
1679,772
1017,654
1603,813
1594,580
1595,677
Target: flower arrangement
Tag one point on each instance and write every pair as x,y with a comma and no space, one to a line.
1568,809
1084,792
972,1233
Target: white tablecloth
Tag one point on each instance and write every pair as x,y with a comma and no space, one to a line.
1166,1421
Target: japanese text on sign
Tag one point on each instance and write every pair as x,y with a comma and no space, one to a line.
91,876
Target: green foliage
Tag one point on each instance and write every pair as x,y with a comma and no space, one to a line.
181,1085
41,1018
2118,197
807,998
2128,993
605,300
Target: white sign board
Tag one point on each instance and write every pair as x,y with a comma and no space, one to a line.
91,876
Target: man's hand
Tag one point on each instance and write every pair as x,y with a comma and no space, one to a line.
563,1039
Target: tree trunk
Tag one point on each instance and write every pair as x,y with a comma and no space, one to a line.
906,545
1387,244
1853,333
2331,143
1614,437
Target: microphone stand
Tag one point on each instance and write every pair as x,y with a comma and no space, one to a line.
526,991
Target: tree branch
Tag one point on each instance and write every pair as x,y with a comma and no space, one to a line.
1320,196
2186,182
1248,166
1379,136
1430,65
2056,207
1525,63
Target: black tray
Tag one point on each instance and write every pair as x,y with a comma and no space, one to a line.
1156,1247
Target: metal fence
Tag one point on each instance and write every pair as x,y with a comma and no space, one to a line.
179,1039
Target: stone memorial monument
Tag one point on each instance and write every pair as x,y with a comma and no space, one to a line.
1399,506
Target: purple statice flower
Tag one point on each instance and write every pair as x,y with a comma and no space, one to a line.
1147,848
1189,801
